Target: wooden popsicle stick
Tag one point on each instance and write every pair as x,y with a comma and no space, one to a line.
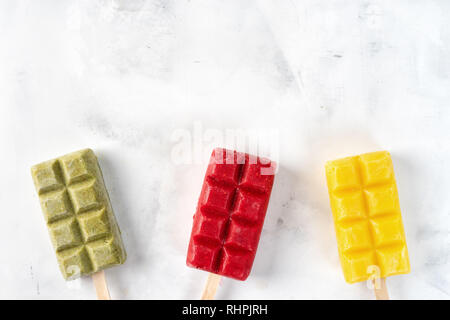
101,287
211,286
380,289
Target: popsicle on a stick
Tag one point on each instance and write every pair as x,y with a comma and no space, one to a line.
230,216
366,211
79,216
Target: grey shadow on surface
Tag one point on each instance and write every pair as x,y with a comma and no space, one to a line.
420,233
283,193
116,187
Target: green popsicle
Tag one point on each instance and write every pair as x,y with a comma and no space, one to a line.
78,212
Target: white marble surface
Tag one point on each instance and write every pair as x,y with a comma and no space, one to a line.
330,78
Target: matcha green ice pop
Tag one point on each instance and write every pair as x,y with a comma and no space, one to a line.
78,213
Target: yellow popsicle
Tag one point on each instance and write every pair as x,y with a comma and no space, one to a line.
366,211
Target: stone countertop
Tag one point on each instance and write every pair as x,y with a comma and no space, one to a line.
152,86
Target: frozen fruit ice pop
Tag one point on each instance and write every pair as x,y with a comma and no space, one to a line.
366,212
78,214
230,213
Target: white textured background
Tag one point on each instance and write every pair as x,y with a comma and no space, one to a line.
335,78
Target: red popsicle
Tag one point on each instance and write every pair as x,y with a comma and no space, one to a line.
230,213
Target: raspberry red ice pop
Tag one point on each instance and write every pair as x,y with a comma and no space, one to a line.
230,213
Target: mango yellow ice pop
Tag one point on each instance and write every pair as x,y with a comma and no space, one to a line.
367,218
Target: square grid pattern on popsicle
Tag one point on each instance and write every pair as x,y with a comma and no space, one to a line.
367,216
75,210
230,216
